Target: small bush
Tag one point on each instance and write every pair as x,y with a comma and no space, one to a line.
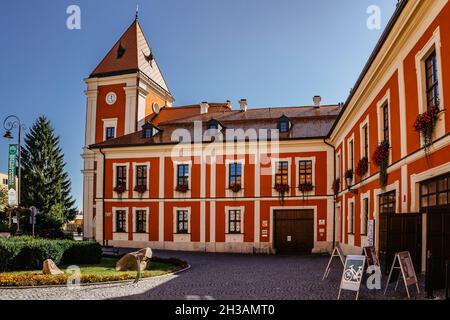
27,253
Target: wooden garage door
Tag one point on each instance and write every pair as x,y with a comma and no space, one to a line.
294,231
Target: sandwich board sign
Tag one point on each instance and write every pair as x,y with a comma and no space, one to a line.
371,256
352,275
337,252
403,261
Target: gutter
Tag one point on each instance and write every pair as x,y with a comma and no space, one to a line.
334,196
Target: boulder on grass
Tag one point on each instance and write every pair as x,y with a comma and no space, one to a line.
50,267
129,261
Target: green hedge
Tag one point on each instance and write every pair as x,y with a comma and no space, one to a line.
27,253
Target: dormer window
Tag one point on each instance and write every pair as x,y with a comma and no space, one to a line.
149,130
214,125
284,124
120,51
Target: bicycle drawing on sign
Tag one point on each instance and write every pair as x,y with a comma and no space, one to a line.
353,275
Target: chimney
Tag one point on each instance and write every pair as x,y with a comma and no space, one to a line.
204,106
229,104
243,105
317,100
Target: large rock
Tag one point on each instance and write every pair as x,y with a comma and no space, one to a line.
129,261
50,267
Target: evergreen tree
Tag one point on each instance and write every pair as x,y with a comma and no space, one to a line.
45,183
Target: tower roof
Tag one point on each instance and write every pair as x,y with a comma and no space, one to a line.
132,53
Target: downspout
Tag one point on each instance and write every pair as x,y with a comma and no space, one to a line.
103,197
334,196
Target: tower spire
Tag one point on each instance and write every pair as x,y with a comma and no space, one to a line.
137,12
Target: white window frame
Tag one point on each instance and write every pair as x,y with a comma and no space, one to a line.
363,197
146,193
297,173
349,230
273,163
434,43
234,237
147,215
115,165
109,123
228,192
386,99
363,124
349,158
114,210
177,194
181,237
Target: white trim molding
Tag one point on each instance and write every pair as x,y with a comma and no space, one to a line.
120,236
181,237
363,233
228,192
141,236
364,123
234,237
273,162
434,44
109,123
297,175
272,222
146,193
415,180
177,194
119,164
351,155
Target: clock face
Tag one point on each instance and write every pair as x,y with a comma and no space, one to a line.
111,98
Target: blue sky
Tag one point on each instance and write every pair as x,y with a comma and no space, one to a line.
272,52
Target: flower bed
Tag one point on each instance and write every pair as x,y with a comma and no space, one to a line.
104,272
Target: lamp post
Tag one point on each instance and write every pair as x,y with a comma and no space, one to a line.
10,123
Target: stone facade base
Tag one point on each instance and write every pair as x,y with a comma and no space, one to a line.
219,247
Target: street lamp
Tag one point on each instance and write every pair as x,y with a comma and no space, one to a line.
13,122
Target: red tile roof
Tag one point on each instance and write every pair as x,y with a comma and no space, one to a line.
308,123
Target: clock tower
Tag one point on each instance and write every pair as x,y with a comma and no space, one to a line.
123,91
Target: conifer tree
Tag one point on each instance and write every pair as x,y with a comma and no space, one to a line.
45,183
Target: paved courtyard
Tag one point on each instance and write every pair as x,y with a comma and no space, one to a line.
224,276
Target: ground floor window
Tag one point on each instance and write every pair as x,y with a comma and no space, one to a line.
234,221
182,221
365,216
387,202
121,221
351,222
435,192
141,219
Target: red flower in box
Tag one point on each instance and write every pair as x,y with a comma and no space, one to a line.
381,159
140,188
182,188
236,187
282,188
336,185
120,189
426,122
306,187
381,154
362,167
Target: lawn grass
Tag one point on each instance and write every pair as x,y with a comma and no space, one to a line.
105,271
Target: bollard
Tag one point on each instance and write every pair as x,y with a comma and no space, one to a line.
429,277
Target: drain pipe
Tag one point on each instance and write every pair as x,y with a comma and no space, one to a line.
103,197
334,196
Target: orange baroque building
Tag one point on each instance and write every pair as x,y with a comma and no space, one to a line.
288,179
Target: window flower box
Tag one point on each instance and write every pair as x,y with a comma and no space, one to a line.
336,186
306,187
236,188
182,188
363,167
381,159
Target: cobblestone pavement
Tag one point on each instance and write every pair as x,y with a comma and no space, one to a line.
225,276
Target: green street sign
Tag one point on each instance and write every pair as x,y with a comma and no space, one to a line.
12,197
